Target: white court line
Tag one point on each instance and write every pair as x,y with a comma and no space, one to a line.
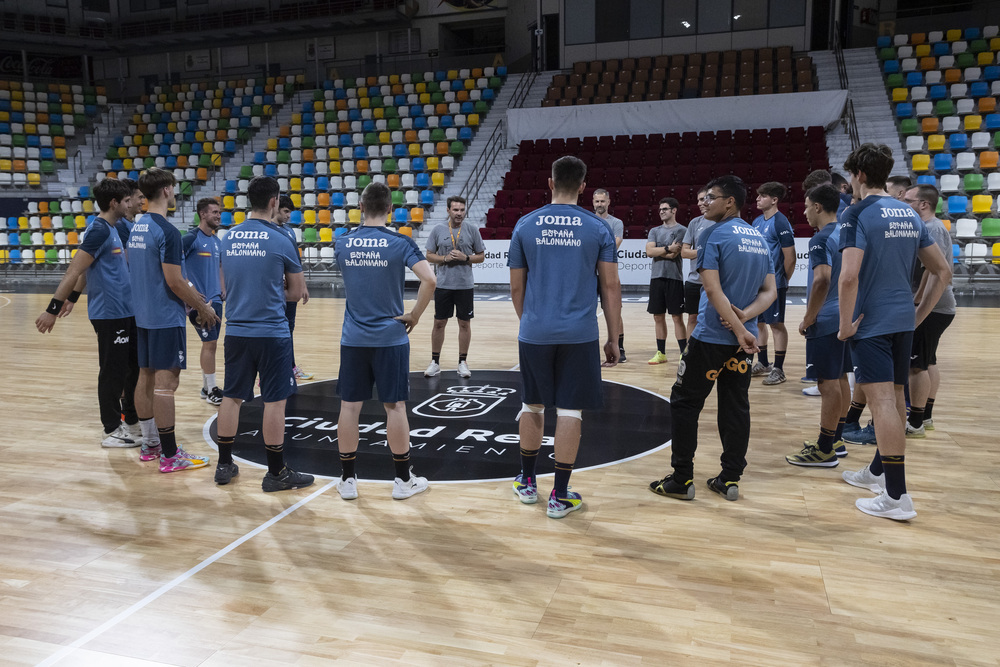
8,302
167,587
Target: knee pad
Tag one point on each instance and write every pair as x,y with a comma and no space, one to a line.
532,409
575,414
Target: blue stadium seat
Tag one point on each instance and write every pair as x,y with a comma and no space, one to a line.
12,222
308,118
992,122
941,49
416,111
979,89
15,255
418,164
368,126
419,123
296,218
337,199
230,146
883,42
340,94
489,94
231,187
958,205
926,179
271,170
308,169
943,163
400,216
958,142
360,153
904,110
84,192
447,121
972,33
400,151
465,134
227,219
914,79
938,92
427,197
423,180
323,183
339,231
284,144
956,252
344,141
353,114
502,70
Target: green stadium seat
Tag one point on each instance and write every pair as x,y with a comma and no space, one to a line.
944,108
973,183
909,126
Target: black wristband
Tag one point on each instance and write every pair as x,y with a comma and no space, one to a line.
55,305
73,296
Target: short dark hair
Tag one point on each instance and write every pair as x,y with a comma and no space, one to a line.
817,177
455,199
377,199
286,202
929,194
826,196
773,189
874,160
109,190
154,179
670,201
205,202
838,180
131,184
900,181
731,186
568,173
261,191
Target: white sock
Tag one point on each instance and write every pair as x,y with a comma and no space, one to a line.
149,432
209,381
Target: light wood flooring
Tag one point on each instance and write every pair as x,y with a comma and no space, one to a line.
97,548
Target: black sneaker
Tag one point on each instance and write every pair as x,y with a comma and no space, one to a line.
215,396
224,472
285,480
621,355
670,487
728,490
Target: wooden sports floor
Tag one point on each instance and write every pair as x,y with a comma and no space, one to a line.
105,561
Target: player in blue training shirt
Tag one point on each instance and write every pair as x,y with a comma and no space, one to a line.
560,256
736,271
261,270
134,209
777,231
374,343
826,355
880,239
282,218
159,292
99,264
202,255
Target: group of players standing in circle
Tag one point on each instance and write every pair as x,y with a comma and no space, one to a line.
861,315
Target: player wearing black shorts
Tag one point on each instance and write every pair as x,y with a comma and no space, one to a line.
666,285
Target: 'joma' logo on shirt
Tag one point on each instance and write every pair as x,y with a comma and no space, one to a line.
367,243
240,234
574,221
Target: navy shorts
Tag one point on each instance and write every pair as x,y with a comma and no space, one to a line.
385,368
775,313
162,349
883,358
271,358
291,307
692,297
564,376
826,357
207,335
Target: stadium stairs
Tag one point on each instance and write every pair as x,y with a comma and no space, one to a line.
866,87
494,178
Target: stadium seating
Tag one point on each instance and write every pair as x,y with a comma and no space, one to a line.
640,170
949,81
713,74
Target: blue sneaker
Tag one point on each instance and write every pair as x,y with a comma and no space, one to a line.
526,490
560,507
863,436
840,449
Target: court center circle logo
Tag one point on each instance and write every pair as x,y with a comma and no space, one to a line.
461,430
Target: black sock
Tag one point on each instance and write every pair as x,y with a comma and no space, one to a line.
779,359
876,464
916,417
826,440
226,449
928,409
621,341
561,485
854,414
347,462
528,460
168,442
682,343
840,430
895,476
463,357
661,345
402,463
762,355
275,459
436,357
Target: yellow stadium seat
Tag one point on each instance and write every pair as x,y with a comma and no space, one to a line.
437,179
995,252
433,164
413,149
325,234
972,123
333,153
982,204
295,184
80,222
48,238
229,202
921,162
354,216
473,119
900,94
334,168
297,199
922,50
309,217
984,58
953,35
88,205
239,216
272,144
34,179
378,113
420,88
935,142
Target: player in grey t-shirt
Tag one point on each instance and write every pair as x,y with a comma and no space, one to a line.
924,375
692,282
666,284
453,248
602,203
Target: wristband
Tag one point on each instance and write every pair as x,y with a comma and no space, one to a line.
73,296
55,305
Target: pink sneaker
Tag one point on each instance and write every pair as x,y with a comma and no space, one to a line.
181,461
149,452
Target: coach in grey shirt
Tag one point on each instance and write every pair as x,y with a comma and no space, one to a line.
666,284
453,248
692,284
602,202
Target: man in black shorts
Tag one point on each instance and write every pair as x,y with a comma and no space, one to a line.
666,285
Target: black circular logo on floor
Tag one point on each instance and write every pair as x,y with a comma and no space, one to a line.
460,429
